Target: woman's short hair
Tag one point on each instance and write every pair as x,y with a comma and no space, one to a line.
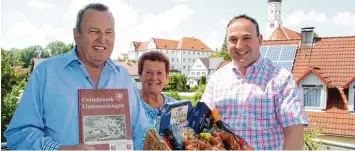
153,56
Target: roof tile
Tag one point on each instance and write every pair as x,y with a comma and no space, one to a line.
185,43
282,33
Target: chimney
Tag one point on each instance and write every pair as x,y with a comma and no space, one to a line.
307,35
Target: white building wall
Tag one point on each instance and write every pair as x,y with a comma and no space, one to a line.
178,58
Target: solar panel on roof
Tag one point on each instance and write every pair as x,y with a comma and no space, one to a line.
286,65
263,50
281,55
288,53
273,53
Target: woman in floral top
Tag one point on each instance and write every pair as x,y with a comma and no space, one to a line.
153,70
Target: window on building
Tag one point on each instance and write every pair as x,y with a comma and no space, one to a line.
312,96
192,73
191,82
172,52
184,52
188,59
172,67
272,25
184,67
193,53
198,53
172,59
184,60
204,73
198,73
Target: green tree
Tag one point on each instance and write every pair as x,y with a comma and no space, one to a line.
173,94
198,94
9,104
309,136
15,56
45,54
315,35
219,54
224,45
193,88
202,80
177,82
29,53
9,77
58,47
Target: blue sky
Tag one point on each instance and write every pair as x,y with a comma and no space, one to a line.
29,22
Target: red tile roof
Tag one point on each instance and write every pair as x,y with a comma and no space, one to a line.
281,42
185,43
223,64
282,33
130,66
336,119
192,44
165,43
136,44
143,46
124,55
333,58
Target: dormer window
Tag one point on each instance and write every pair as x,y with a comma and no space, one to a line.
313,93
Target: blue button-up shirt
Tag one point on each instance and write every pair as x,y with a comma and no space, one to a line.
47,115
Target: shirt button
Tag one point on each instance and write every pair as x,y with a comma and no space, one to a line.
79,63
87,78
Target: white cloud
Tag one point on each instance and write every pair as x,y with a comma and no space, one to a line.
213,40
13,14
128,29
40,4
162,25
124,14
312,17
344,19
183,1
301,18
30,34
223,22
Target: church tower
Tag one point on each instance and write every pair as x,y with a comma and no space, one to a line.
274,17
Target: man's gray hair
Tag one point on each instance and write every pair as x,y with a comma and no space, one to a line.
95,6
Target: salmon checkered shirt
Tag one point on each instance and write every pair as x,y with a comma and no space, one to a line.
256,106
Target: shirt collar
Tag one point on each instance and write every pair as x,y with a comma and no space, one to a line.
256,65
72,56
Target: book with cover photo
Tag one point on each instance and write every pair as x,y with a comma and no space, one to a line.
105,120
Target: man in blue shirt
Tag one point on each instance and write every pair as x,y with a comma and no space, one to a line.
47,115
